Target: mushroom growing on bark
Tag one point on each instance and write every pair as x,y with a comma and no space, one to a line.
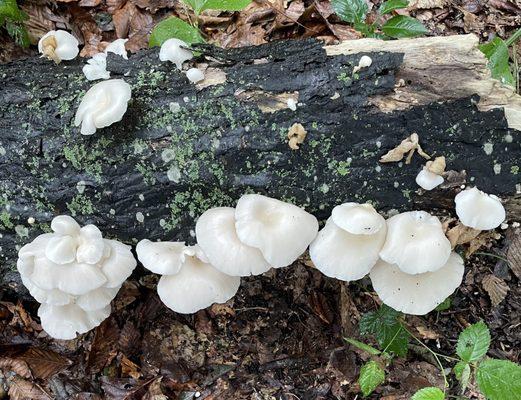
281,231
58,45
102,105
175,50
75,273
348,246
479,210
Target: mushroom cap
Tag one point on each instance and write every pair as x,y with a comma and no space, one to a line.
343,255
428,180
194,75
415,242
216,235
96,67
479,210
197,286
67,45
416,294
103,104
66,322
174,50
358,219
164,258
281,231
117,47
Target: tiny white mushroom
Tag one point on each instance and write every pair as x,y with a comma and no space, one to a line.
175,50
96,67
415,242
216,234
479,210
118,47
365,61
416,294
102,105
196,286
58,45
428,180
344,255
194,75
281,231
292,104
164,258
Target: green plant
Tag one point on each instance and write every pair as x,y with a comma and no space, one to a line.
174,27
496,379
12,18
498,57
398,26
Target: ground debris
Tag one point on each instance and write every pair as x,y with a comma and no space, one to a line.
407,146
496,288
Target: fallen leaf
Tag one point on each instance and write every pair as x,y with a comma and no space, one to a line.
483,240
18,366
21,389
128,368
514,254
129,339
461,234
44,363
102,350
154,391
496,288
426,4
426,333
296,136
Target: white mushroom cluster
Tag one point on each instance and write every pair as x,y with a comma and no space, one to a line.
176,51
96,67
58,45
260,233
75,273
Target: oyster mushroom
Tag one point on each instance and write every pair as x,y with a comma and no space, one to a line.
58,45
479,210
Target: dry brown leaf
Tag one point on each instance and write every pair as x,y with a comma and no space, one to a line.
154,5
483,240
89,29
39,22
296,135
128,368
221,309
496,288
426,4
44,363
154,391
514,254
21,389
89,3
102,350
129,338
408,145
426,333
461,234
18,366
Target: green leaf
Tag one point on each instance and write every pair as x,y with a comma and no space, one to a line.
384,324
462,372
402,26
445,305
353,11
496,52
174,27
18,32
473,342
362,346
9,10
371,375
499,379
428,393
224,5
391,5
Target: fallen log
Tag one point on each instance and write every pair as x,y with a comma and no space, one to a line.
181,149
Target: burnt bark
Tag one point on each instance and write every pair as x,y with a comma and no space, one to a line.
152,174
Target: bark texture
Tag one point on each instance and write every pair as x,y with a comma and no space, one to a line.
152,174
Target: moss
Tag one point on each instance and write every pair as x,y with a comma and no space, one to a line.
80,204
514,169
86,160
5,220
147,171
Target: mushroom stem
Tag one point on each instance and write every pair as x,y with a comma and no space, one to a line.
49,46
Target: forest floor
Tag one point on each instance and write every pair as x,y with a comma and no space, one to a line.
282,336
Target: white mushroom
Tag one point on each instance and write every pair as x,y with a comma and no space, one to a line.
416,294
365,61
75,267
428,180
358,219
197,285
117,47
479,210
96,67
340,254
175,50
102,105
415,242
58,45
67,321
194,75
164,258
215,232
281,231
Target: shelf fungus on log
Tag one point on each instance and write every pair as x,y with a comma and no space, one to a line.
151,174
